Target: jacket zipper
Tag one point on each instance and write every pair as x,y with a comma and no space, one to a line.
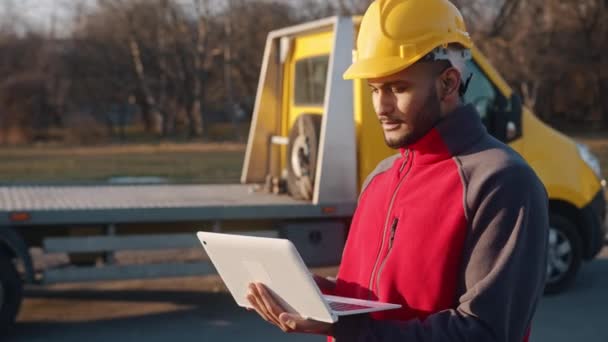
388,252
388,215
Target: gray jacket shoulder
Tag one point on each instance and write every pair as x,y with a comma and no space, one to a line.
383,166
489,164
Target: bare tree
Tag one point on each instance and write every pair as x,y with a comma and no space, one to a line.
186,62
202,61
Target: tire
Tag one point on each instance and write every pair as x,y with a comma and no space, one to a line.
302,152
11,291
565,254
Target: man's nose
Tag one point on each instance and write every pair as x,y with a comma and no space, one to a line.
384,103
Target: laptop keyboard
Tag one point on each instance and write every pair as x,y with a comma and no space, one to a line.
338,306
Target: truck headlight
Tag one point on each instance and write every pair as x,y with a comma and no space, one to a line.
590,159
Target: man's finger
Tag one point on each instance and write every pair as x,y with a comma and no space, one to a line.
289,321
271,305
294,322
269,302
256,306
261,307
299,324
257,299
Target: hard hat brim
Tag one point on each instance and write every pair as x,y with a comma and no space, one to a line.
376,67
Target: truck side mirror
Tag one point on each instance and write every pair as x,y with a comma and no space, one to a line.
507,120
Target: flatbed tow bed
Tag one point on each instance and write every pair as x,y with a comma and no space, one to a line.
115,204
26,207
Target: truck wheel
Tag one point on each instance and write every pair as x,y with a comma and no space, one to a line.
302,152
11,289
565,254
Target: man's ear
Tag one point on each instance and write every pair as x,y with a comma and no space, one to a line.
449,83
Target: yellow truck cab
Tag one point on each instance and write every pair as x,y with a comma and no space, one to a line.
310,128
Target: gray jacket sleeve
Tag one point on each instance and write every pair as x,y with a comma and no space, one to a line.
503,271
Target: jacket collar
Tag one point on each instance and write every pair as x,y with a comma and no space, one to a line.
453,134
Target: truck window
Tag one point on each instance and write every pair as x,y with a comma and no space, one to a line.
311,76
481,92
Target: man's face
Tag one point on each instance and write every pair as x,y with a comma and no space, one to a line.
407,103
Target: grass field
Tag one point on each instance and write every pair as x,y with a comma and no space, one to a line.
177,163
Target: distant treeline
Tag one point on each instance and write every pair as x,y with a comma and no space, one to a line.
169,68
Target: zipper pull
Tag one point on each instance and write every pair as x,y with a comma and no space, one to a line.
393,231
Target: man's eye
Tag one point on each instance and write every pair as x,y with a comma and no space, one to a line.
373,90
398,90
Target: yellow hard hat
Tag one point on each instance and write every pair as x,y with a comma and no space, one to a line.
394,34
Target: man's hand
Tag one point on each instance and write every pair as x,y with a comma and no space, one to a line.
271,311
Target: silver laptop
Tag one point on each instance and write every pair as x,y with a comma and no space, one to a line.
242,260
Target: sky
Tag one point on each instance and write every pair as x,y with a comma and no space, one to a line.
38,14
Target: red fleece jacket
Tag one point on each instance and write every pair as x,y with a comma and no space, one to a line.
454,228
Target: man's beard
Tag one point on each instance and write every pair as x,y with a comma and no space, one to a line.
427,118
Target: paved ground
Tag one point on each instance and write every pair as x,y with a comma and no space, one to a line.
165,310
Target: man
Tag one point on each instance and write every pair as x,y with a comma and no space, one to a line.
454,227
